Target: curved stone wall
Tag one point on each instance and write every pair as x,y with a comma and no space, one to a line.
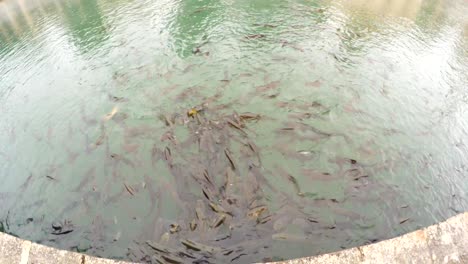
446,242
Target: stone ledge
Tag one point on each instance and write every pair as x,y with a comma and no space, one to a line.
446,242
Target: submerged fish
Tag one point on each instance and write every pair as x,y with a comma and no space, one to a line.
109,116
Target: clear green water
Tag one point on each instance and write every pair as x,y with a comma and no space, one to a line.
388,80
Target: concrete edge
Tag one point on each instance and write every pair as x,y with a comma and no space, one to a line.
446,242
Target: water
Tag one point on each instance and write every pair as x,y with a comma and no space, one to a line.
375,95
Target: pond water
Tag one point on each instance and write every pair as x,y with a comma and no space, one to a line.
218,131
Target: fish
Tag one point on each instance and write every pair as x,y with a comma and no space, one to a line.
157,246
129,189
198,246
50,177
256,212
174,228
404,220
255,36
200,210
229,157
169,135
130,148
313,84
119,158
109,116
267,87
167,120
249,116
291,179
236,126
193,225
117,99
317,175
218,221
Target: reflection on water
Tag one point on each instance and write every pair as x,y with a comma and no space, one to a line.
316,125
86,24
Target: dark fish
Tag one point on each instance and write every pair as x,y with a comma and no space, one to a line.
229,157
200,210
167,120
101,137
198,246
263,220
236,126
218,208
238,256
314,84
193,225
252,146
117,99
157,247
355,173
360,176
169,136
50,177
218,221
119,158
62,228
172,259
249,116
174,228
129,189
291,179
255,36
256,212
404,220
